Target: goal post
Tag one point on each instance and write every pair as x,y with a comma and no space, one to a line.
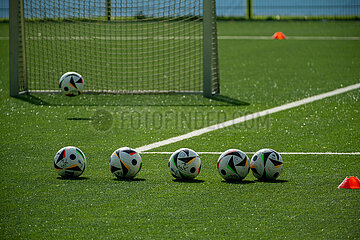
17,62
210,57
118,46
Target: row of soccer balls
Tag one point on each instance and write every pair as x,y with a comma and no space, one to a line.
184,163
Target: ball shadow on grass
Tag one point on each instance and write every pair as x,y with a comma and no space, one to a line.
73,178
272,181
237,181
129,179
188,180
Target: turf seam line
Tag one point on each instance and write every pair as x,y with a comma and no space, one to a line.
282,153
247,118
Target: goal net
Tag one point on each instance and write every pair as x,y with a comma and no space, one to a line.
118,46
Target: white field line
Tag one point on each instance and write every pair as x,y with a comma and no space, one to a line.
115,38
247,118
288,38
162,38
282,153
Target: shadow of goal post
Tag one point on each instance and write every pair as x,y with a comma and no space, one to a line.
17,47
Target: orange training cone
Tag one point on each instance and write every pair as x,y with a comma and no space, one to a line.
350,183
279,35
354,182
345,183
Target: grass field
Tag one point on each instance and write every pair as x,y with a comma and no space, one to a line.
255,75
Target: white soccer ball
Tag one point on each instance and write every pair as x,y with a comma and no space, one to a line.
72,84
266,164
184,163
125,162
233,164
69,162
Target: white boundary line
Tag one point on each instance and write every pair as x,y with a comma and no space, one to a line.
282,153
288,38
160,38
247,118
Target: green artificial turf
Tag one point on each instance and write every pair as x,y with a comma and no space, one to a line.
255,75
302,205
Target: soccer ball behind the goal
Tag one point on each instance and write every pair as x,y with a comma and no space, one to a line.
69,162
72,84
184,163
266,164
233,164
125,163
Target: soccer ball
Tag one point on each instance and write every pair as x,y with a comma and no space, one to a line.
125,163
266,164
69,162
233,164
71,84
184,163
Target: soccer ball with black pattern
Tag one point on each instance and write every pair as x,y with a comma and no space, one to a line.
184,163
266,164
233,164
72,84
69,162
125,162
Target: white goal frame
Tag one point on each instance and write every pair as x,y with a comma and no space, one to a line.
18,57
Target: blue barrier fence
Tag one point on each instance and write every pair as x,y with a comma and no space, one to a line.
4,9
259,8
288,8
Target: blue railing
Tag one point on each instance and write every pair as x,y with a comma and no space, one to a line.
288,8
259,8
4,8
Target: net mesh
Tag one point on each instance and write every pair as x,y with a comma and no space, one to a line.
117,45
